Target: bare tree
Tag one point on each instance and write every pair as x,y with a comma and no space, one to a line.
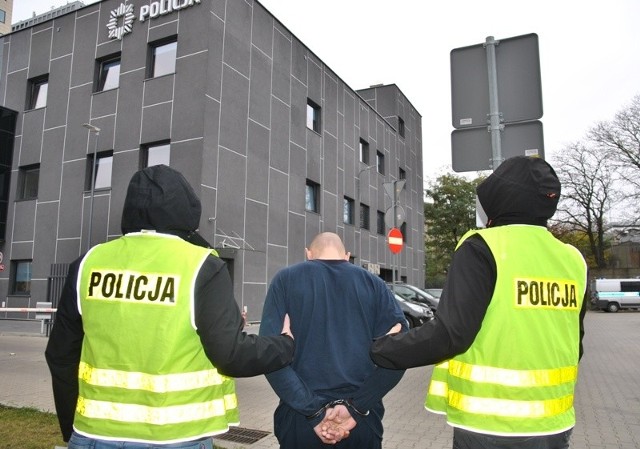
588,193
620,139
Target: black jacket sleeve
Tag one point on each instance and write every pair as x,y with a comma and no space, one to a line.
220,327
63,352
461,310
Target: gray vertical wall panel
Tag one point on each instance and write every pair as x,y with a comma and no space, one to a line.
162,28
125,164
279,154
260,88
256,236
57,97
258,163
156,123
231,192
210,143
84,50
31,140
188,104
104,103
39,52
262,29
79,113
158,90
19,51
214,68
51,165
281,66
298,113
298,240
73,179
330,164
234,111
330,106
237,36
278,207
64,29
297,180
129,114
24,221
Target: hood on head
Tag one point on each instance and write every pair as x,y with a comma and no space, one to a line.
161,199
522,190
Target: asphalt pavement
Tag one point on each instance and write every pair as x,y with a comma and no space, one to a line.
607,399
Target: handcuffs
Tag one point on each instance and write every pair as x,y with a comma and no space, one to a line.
345,402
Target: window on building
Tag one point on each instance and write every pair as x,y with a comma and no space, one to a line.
163,58
313,116
403,229
380,222
108,73
400,126
21,277
3,16
364,152
312,197
104,165
364,216
380,162
402,174
38,88
156,154
28,178
347,214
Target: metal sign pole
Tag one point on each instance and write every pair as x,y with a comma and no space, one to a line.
494,107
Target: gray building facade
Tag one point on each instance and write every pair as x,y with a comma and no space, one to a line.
277,146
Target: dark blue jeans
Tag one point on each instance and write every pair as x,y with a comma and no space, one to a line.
78,441
463,439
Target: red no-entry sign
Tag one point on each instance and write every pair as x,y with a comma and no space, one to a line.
395,240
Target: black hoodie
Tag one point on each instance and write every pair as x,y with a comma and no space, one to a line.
522,190
159,198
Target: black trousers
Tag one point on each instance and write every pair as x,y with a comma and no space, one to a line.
463,439
293,431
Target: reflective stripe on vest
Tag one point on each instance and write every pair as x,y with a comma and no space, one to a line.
149,382
156,415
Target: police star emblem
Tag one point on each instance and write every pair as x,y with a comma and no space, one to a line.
120,21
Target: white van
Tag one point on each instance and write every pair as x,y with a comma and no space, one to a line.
612,295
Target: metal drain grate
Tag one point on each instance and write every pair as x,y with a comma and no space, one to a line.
242,435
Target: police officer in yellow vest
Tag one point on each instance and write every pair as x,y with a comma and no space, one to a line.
148,330
508,330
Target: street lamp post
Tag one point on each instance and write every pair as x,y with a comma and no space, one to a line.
92,130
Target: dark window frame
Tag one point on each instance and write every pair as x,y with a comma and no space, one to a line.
34,92
365,217
380,162
99,156
26,182
15,283
153,56
102,75
363,148
314,187
380,224
314,116
144,154
401,127
348,211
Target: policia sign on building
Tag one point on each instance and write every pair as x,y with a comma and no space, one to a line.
122,18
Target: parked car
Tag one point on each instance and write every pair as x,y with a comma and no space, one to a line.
413,293
434,291
416,313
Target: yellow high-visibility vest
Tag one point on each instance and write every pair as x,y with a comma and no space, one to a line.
519,375
143,373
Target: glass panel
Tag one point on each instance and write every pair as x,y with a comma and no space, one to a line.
164,59
30,183
109,75
40,95
22,282
159,154
103,172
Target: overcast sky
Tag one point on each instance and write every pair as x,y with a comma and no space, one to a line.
589,53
